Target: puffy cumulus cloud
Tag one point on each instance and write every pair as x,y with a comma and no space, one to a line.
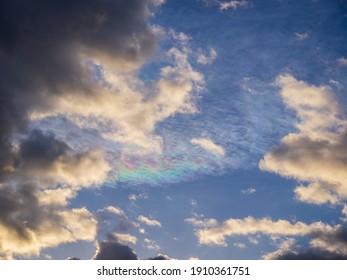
286,247
322,237
35,193
44,158
115,210
215,233
49,52
148,221
316,152
27,225
330,245
233,4
209,146
130,108
125,238
44,46
203,59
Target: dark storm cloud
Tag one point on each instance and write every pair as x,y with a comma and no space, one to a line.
312,254
160,257
44,49
111,249
41,149
41,48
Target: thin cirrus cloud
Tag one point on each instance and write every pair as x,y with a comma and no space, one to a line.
315,152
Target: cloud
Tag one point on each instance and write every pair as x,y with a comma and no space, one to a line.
233,4
315,153
113,250
209,146
322,237
149,221
35,193
151,245
344,210
115,210
248,191
49,52
342,61
215,233
174,92
310,254
289,250
44,158
28,225
301,36
240,245
161,257
125,238
203,59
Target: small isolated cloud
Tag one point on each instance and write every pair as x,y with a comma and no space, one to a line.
149,222
115,210
203,59
151,244
253,240
209,146
342,61
233,4
316,153
240,245
301,36
125,238
248,191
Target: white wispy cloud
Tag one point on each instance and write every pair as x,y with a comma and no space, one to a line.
233,4
301,36
240,245
248,191
209,146
342,61
207,59
148,221
151,245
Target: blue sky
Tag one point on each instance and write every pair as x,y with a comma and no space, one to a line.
177,129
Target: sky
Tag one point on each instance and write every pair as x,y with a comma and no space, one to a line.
162,129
